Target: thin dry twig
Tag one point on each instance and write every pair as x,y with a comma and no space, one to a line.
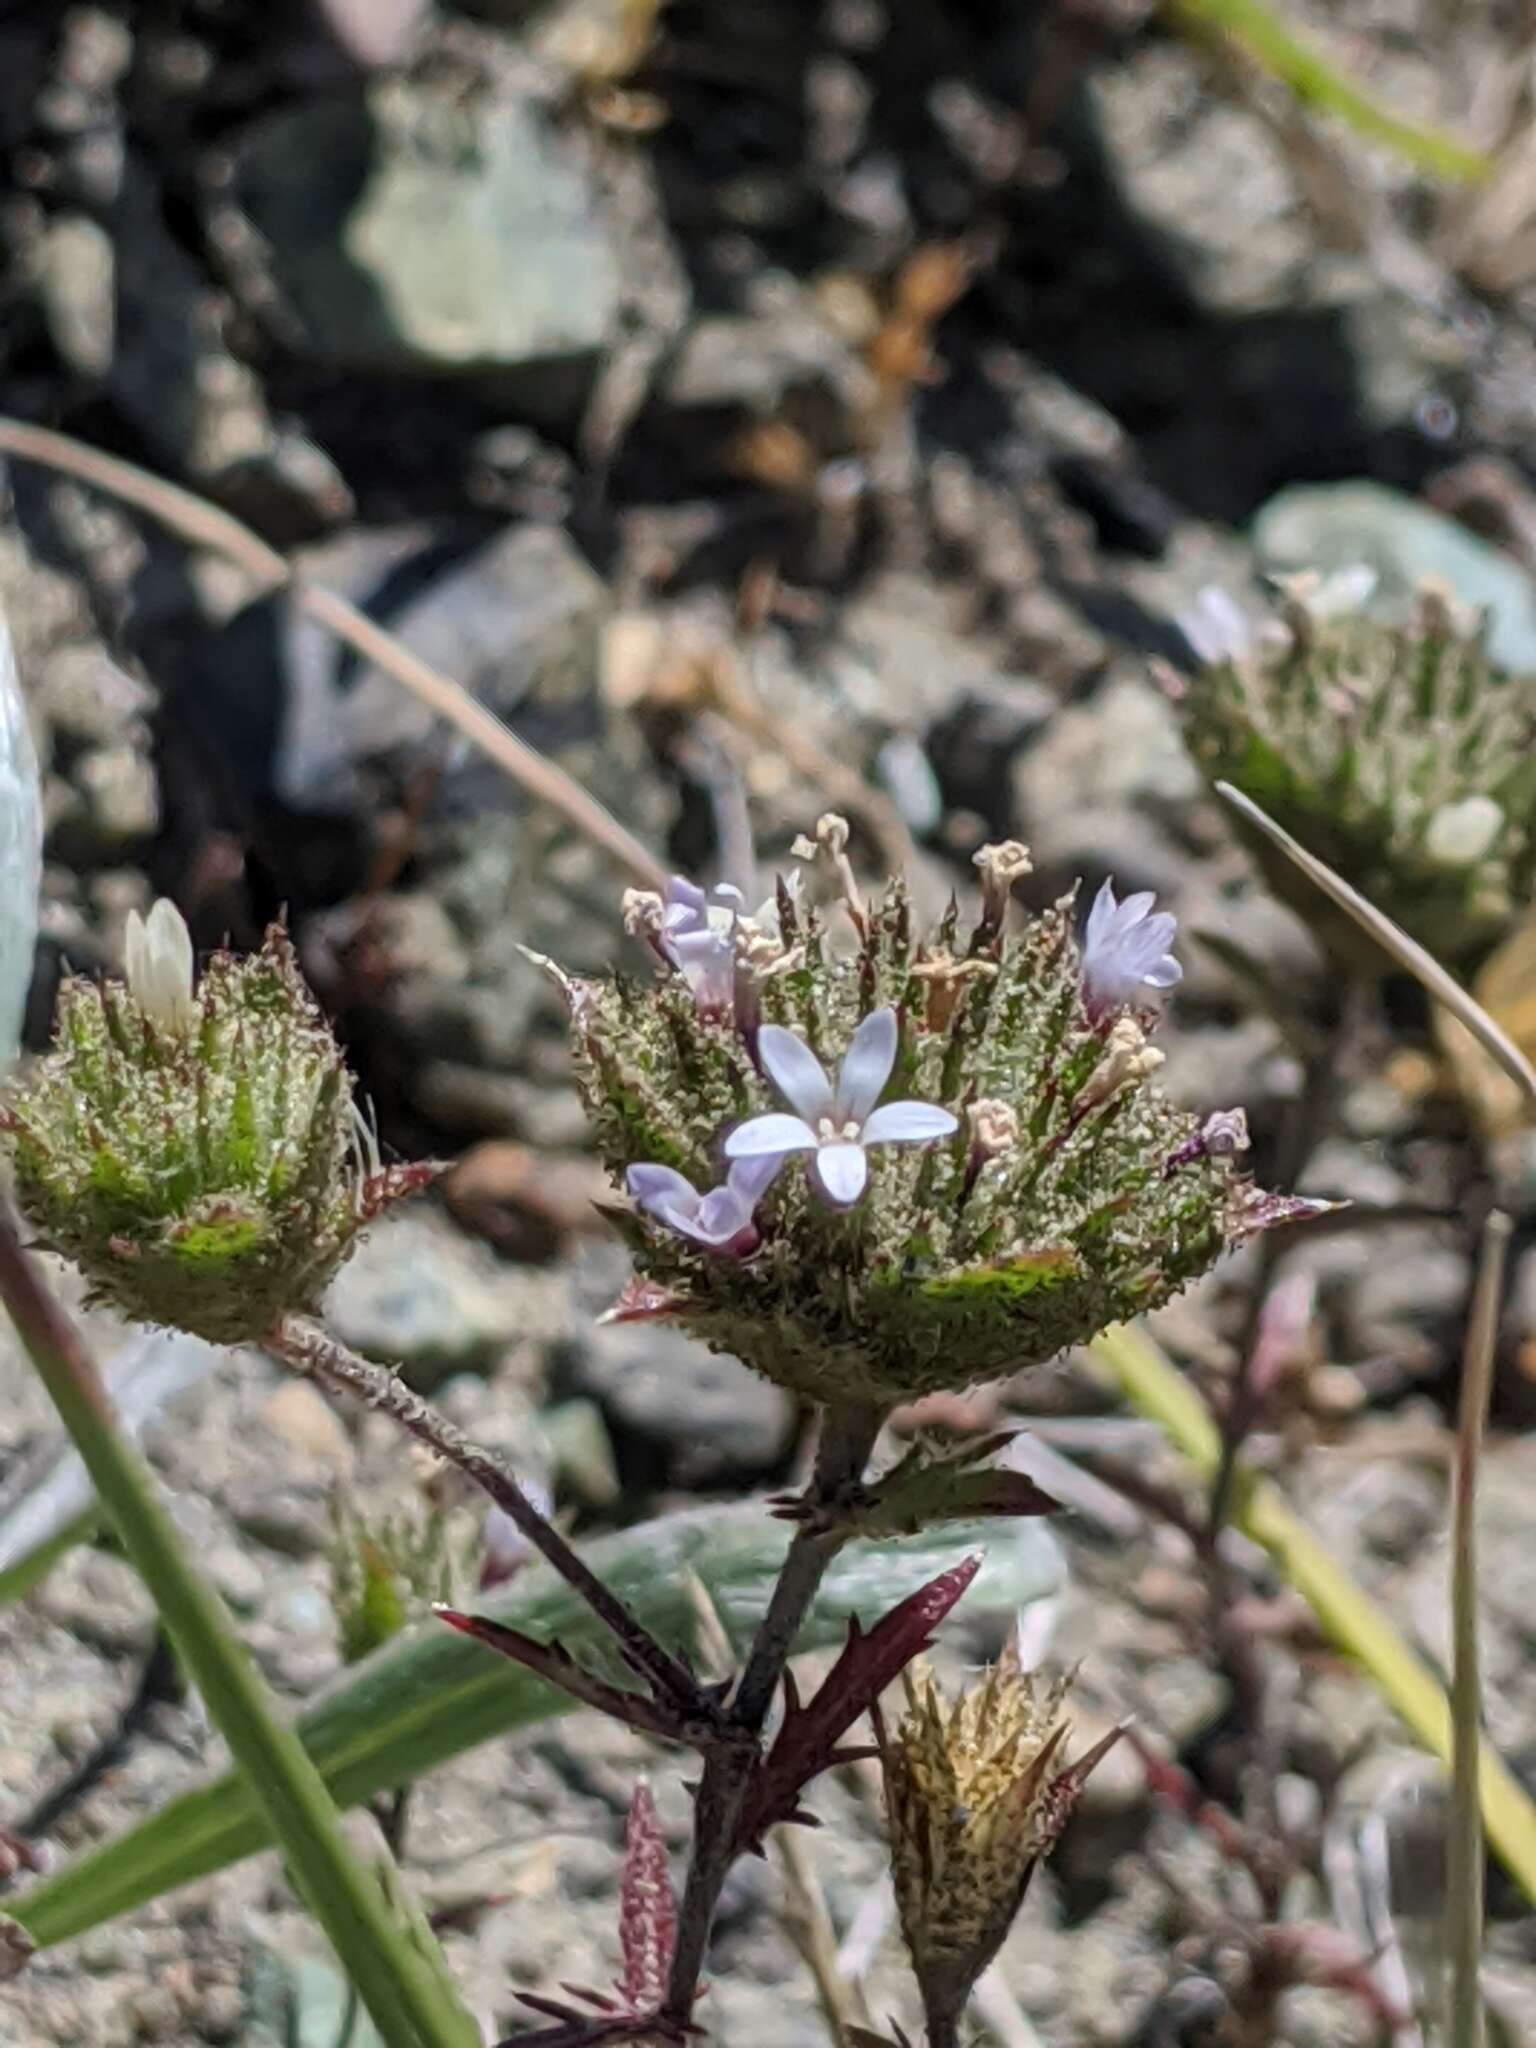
810,1927
311,1350
1393,940
202,525
1464,1848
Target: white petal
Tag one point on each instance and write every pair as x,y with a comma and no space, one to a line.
842,1171
1101,916
723,1214
751,1178
866,1067
159,964
773,1134
687,905
1164,973
795,1071
907,1123
649,1184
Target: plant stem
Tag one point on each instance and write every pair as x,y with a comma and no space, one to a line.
1315,82
1464,1849
1350,1619
199,524
847,1438
313,1351
406,1999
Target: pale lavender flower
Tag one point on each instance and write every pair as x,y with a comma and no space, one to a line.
720,1220
698,935
1215,626
1125,949
835,1123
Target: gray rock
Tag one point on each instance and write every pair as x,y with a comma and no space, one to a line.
1335,526
422,1296
780,363
516,619
412,232
75,286
1106,776
711,1413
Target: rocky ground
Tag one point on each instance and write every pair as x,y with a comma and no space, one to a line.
764,410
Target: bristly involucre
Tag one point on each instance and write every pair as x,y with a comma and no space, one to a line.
968,1247
1398,754
197,1154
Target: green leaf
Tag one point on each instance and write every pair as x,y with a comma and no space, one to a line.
410,2002
431,1693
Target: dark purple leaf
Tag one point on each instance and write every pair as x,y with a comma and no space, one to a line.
559,1668
808,1739
647,1911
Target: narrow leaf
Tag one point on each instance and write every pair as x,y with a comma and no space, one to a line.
557,1666
808,1738
431,1693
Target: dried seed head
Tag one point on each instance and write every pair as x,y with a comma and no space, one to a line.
975,1794
197,1153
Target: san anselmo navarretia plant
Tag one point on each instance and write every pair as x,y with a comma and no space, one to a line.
871,1161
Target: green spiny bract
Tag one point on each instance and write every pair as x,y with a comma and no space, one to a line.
206,1175
387,1571
1398,754
1072,1194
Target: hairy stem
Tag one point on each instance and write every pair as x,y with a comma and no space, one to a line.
313,1351
847,1438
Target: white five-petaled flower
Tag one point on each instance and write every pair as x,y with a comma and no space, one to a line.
836,1124
720,1220
1125,949
157,957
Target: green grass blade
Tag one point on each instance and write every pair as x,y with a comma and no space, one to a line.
432,1693
1314,82
404,1996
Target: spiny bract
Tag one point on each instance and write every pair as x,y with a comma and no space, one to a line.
204,1168
1398,754
975,1795
1071,1194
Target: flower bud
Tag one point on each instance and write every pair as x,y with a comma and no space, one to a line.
197,1153
994,1127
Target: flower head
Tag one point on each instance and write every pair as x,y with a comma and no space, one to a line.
835,1123
976,1795
197,1151
1397,753
1125,949
1075,1198
720,1220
